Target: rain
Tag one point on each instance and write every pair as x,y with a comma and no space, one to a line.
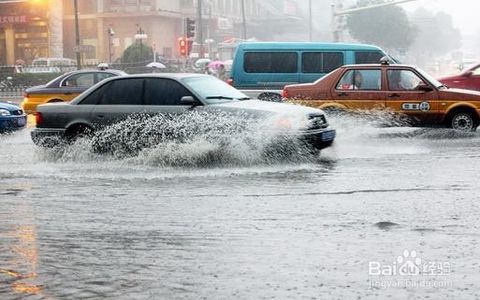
221,205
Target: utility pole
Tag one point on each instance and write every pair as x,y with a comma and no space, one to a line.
140,36
77,36
244,21
110,34
338,13
199,29
310,20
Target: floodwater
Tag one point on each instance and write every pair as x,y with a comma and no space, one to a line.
166,224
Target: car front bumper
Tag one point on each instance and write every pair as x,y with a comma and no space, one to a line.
318,138
48,137
14,122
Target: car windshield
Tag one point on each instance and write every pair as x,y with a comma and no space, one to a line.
430,79
214,90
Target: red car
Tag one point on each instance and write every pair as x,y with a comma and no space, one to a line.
468,79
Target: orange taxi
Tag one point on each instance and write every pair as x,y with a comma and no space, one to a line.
401,89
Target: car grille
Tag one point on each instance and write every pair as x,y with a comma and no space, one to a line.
17,112
317,121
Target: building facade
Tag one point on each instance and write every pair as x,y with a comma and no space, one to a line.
46,28
30,29
108,27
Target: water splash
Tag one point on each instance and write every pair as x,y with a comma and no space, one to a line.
188,140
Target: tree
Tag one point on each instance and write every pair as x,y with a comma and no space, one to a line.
137,52
386,26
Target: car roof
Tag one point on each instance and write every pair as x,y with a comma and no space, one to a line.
305,45
56,81
176,76
95,70
396,66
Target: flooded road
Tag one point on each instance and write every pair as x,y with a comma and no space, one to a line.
76,225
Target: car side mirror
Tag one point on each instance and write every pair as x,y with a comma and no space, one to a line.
425,88
189,100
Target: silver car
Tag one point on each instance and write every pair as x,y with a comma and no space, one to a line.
118,98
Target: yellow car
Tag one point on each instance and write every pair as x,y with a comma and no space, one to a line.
64,88
401,89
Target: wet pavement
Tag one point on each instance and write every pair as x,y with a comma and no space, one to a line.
385,213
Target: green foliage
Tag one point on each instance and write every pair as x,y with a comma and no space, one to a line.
137,52
386,26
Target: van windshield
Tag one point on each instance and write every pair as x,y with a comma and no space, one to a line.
213,90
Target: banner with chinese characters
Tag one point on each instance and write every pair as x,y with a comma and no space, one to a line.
12,19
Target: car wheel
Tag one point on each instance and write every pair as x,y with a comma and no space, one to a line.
463,121
273,97
333,110
77,132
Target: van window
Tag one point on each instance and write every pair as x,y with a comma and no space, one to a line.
368,57
321,62
270,62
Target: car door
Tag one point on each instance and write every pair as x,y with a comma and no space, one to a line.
409,93
360,89
118,99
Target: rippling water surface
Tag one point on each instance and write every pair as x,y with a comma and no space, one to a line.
191,220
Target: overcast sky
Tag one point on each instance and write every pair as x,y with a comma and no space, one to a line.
465,13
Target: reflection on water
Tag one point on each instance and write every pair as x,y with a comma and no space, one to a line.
81,225
19,249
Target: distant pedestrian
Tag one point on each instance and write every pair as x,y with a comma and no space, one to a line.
221,73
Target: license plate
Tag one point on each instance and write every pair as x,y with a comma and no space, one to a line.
21,121
328,136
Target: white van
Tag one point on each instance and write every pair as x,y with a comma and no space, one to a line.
51,65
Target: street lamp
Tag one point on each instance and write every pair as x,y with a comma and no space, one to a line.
77,35
140,36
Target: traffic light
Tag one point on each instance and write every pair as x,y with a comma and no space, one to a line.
182,44
189,27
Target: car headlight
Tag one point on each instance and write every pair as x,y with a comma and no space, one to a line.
291,122
4,112
283,123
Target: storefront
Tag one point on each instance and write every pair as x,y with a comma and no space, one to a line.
24,31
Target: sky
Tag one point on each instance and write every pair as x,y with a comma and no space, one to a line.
464,12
